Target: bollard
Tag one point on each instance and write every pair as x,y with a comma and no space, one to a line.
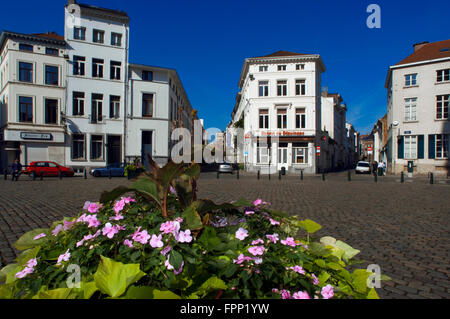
217,175
259,172
323,176
237,174
349,176
60,174
85,174
5,173
402,178
279,175
41,177
375,177
301,174
33,175
431,178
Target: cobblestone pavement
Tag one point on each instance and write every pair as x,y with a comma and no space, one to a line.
402,227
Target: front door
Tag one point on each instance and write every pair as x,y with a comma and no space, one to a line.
282,156
146,147
113,150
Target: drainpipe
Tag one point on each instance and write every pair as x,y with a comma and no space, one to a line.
125,96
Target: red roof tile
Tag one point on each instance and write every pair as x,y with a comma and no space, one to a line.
50,35
430,51
281,53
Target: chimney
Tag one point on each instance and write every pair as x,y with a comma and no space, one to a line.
69,2
418,46
325,91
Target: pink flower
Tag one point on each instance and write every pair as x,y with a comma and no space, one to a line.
258,241
241,258
57,230
92,221
301,295
63,257
184,236
109,231
93,208
128,243
256,250
32,263
241,233
156,241
289,242
68,225
86,205
80,243
25,272
327,292
39,236
173,191
285,294
179,219
257,202
170,227
273,238
128,200
141,236
117,217
166,250
315,279
170,267
298,269
249,212
119,206
257,260
274,222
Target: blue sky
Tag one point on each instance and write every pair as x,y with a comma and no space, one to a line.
207,42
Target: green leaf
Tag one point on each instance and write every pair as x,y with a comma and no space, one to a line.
7,271
310,226
192,218
359,280
147,186
135,292
113,278
28,254
88,289
328,241
175,259
334,266
349,252
6,291
60,293
209,238
372,294
26,241
318,249
242,203
110,196
323,277
212,283
193,171
164,294
320,262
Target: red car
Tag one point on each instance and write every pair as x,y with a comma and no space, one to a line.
47,169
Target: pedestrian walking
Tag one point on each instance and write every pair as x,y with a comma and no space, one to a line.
380,169
384,168
16,170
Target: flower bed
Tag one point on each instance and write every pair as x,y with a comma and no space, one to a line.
157,240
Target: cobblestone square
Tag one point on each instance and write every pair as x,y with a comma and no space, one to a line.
404,228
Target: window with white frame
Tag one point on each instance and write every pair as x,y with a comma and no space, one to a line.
411,79
97,108
282,88
116,39
300,153
263,88
147,105
300,118
443,75
97,68
410,147
78,103
115,70
300,87
114,107
78,65
262,154
264,119
263,68
441,146
79,33
96,147
299,67
98,36
282,118
282,68
442,106
78,147
411,109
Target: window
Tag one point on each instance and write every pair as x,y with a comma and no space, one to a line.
78,65
96,147
97,68
411,109
51,51
115,70
299,67
442,106
282,68
116,39
263,88
51,75
262,155
97,108
282,88
147,75
25,47
78,103
299,153
300,87
25,109
441,146
411,79
147,105
78,147
443,75
79,33
263,68
98,36
300,118
410,147
114,107
25,72
281,118
51,111
264,119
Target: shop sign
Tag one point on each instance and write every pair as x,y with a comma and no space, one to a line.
36,136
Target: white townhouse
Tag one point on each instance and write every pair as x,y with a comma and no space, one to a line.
97,44
351,143
32,97
418,90
279,108
158,105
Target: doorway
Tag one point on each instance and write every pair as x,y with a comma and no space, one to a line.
146,147
282,155
113,154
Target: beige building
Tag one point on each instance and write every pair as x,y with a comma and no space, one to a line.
418,90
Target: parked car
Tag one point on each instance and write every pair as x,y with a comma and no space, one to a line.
46,168
225,168
116,169
362,168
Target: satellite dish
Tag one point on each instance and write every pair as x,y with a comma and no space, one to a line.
395,123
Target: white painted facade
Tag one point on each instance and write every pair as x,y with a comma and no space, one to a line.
293,143
32,97
417,131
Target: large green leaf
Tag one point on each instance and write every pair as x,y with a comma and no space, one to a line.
26,241
168,173
175,259
192,218
349,252
147,186
359,280
310,226
372,294
60,293
28,254
242,203
110,196
6,291
8,272
113,278
205,205
143,292
192,171
164,294
88,289
212,283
